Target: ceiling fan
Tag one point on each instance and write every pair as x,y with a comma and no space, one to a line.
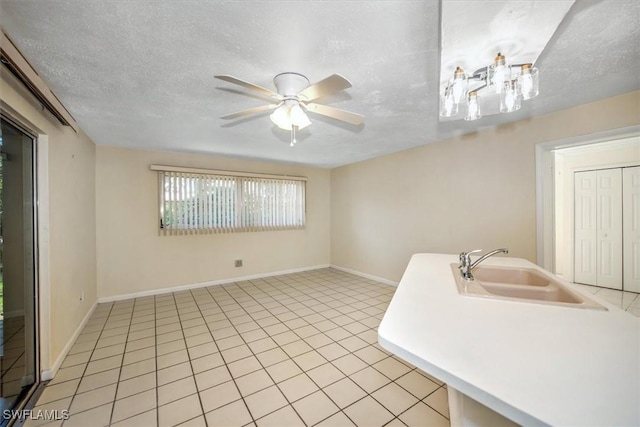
293,97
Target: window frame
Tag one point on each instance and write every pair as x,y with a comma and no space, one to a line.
240,179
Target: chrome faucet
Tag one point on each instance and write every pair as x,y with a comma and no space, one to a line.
466,266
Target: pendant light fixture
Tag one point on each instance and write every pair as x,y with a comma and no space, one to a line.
512,82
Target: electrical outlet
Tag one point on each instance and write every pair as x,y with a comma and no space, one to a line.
82,296
238,263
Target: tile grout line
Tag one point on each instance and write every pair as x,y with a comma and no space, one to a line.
124,351
73,396
189,357
222,356
155,355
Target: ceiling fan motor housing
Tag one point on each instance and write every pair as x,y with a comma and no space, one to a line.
290,84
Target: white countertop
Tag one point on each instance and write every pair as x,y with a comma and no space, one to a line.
535,364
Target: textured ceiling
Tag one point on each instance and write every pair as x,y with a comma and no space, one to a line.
140,73
520,29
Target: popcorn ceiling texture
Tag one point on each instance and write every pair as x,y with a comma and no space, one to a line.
140,73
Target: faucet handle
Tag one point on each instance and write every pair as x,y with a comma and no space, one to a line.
465,257
462,258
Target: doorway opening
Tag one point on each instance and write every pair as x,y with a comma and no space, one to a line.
557,163
19,356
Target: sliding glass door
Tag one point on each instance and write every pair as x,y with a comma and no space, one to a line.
18,314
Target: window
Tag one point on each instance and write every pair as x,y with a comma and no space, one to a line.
197,201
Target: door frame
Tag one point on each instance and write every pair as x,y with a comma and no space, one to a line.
21,404
42,250
545,182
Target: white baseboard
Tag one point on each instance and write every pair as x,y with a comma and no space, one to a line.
48,374
365,275
205,284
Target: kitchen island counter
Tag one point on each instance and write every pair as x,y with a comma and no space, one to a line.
535,364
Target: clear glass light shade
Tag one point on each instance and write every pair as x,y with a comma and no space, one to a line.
498,73
448,107
459,85
510,99
473,107
528,81
287,116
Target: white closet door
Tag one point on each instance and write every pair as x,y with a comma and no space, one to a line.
609,228
631,228
585,228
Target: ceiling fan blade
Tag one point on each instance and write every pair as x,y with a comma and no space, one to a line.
331,84
260,96
250,111
336,113
248,85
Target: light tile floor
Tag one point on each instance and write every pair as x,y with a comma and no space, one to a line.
627,301
12,360
298,349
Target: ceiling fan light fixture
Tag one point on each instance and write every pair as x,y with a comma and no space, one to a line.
286,116
293,97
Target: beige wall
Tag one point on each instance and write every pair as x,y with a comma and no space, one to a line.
470,192
71,233
132,257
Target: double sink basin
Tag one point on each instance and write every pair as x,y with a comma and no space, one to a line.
520,284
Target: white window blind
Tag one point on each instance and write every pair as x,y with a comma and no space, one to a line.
218,203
